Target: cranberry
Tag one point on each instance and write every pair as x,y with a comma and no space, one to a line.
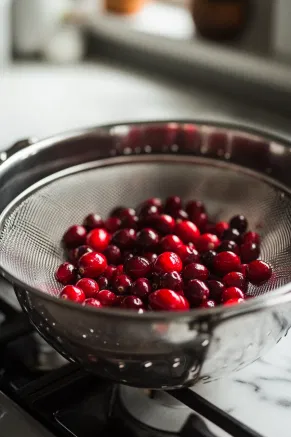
141,288
112,224
168,262
119,270
234,301
163,223
235,279
228,246
109,273
150,256
122,284
196,292
93,221
195,271
148,211
153,201
172,204
251,237
207,242
200,219
118,300
220,228
92,264
225,262
112,254
71,292
92,303
243,269
167,300
107,298
231,234
172,280
133,303
98,239
147,239
130,222
155,281
126,212
232,293
170,243
66,273
239,222
127,255
208,304
194,206
116,211
188,254
216,289
75,236
259,272
89,286
124,238
249,252
187,231
207,258
80,251
180,214
103,283
137,267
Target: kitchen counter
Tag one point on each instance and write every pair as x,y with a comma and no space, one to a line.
41,100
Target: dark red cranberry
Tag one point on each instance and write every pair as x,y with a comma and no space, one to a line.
137,267
92,264
172,204
233,301
75,236
228,246
259,272
124,238
122,284
216,289
141,288
153,201
80,251
92,303
195,271
196,292
107,298
231,234
168,262
147,239
220,228
235,279
109,273
155,281
207,242
167,300
180,214
112,254
200,219
127,254
249,252
163,223
232,293
207,258
239,222
243,269
148,211
119,270
126,212
251,237
116,211
66,273
150,256
98,239
89,286
73,293
225,262
188,254
133,303
187,231
103,283
208,304
170,243
130,222
172,280
93,221
194,206
118,300
112,224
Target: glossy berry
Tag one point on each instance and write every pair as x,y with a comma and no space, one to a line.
151,206
150,256
156,201
130,222
125,213
118,300
164,224
124,238
197,292
208,304
194,206
133,303
188,254
92,303
187,231
228,246
66,273
80,251
73,293
235,279
172,280
180,214
103,283
112,254
216,289
207,242
107,298
155,279
243,269
251,237
110,272
170,243
249,252
168,262
200,220
207,259
147,239
89,286
141,288
239,222
112,224
220,228
75,236
172,204
231,234
92,265
137,267
258,272
232,293
195,271
93,221
119,270
225,262
98,239
167,300
148,211
233,301
122,284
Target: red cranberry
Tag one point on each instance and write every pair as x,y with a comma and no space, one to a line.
233,301
243,269
80,251
116,211
153,201
168,262
125,213
112,254
207,258
232,293
137,267
122,284
93,221
195,271
75,236
231,234
141,288
155,281
118,300
196,292
148,211
239,222
103,283
119,270
130,222
251,237
228,246
259,272
98,239
235,279
163,223
249,252
170,243
112,224
150,256
73,293
66,273
216,289
172,280
208,304
207,242
133,303
226,262
220,228
200,219
89,286
187,231
188,254
194,206
124,238
127,255
167,300
147,239
92,264
107,298
172,204
109,273
180,214
92,303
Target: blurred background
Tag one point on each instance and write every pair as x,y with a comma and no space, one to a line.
65,64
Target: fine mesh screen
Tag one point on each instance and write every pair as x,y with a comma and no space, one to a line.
31,233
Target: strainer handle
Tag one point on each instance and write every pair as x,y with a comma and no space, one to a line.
16,147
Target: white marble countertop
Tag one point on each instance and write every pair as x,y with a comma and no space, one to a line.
42,100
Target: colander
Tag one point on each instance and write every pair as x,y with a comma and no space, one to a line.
54,183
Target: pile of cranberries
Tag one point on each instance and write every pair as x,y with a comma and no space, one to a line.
161,256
